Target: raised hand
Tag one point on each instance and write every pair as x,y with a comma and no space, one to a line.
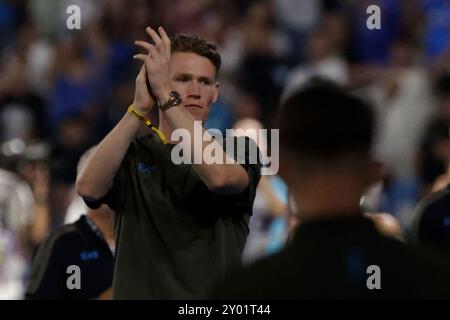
143,100
157,62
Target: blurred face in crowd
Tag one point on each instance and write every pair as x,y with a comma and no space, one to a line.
320,45
194,78
402,55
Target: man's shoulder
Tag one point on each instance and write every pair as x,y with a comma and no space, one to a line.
57,239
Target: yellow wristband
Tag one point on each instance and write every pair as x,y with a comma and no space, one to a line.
133,111
147,122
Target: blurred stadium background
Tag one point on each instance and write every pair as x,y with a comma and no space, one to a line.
62,90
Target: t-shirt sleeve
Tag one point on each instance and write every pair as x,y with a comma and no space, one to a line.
247,154
115,196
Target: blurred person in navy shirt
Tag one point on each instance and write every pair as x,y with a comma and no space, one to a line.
325,141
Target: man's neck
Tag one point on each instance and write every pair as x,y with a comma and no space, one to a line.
325,197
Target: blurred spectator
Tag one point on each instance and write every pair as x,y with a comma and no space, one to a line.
269,223
22,110
407,106
73,140
188,16
24,211
297,15
435,147
247,107
87,243
16,216
260,61
77,82
36,173
324,61
11,14
296,18
335,24
435,157
373,200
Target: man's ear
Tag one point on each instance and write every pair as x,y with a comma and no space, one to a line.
216,91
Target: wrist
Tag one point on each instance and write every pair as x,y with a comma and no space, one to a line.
163,95
136,112
143,110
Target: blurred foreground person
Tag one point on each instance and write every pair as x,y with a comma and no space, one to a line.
336,251
76,261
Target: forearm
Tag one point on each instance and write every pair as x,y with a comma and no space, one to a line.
40,226
96,177
226,176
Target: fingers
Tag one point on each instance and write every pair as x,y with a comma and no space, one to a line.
141,74
162,41
143,57
142,70
156,39
147,46
165,40
150,49
157,60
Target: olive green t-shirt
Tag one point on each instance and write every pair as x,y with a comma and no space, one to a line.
174,237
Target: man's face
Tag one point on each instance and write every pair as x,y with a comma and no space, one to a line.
194,78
